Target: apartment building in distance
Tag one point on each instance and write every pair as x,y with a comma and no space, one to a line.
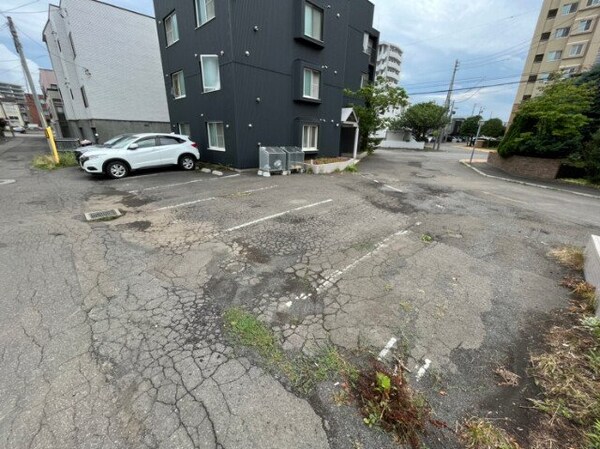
566,42
389,62
107,65
245,74
14,95
56,111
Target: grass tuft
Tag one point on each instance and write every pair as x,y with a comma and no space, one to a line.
569,256
479,433
46,162
352,168
583,292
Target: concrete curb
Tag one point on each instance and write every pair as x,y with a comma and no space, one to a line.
592,267
525,183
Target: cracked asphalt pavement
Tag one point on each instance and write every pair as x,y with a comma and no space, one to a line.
112,332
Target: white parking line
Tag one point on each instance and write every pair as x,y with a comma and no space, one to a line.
386,349
189,203
423,369
270,217
177,184
330,280
393,188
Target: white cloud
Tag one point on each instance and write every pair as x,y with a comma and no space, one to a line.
11,70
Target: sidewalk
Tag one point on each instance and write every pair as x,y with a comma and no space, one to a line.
487,170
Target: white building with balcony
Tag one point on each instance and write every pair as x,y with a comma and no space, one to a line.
108,69
389,63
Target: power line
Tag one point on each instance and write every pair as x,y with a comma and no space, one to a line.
469,88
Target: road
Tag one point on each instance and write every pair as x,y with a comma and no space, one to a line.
112,332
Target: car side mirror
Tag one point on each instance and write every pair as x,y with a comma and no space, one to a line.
133,146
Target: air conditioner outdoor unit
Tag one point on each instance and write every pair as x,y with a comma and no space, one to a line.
272,160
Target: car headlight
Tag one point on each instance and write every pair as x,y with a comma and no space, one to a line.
95,156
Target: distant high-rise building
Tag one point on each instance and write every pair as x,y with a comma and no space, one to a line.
566,42
15,94
389,62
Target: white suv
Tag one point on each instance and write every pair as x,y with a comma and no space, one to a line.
139,151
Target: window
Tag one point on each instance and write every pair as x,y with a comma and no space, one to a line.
205,11
567,72
312,84
178,85
552,13
584,25
72,44
313,22
171,29
310,138
562,32
593,3
368,44
532,79
543,77
211,79
569,8
538,58
576,49
167,140
146,142
555,55
526,97
364,80
84,96
545,36
216,136
184,129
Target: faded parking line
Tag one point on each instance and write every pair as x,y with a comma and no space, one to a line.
270,217
504,198
189,203
177,184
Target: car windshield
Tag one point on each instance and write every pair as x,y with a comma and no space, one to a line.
125,142
115,140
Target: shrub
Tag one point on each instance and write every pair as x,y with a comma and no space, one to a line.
590,156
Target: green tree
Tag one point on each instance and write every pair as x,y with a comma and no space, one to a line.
470,126
590,155
374,100
493,128
591,77
420,119
552,124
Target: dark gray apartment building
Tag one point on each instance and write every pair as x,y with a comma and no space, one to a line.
245,73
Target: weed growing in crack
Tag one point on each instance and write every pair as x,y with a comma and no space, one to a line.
426,238
569,256
46,162
387,401
351,168
303,372
479,433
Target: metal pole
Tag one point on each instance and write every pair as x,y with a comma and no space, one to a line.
448,102
36,100
475,141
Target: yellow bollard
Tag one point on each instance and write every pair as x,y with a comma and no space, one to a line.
52,143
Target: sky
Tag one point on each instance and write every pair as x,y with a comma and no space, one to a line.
490,38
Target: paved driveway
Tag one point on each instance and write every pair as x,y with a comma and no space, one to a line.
112,333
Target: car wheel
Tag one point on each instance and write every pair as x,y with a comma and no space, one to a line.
117,170
187,162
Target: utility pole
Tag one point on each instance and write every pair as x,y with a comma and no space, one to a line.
36,100
441,133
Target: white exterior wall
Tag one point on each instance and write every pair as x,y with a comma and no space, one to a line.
384,63
12,110
117,61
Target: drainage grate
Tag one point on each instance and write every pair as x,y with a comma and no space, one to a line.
103,215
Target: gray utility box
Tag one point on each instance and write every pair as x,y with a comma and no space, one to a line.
295,159
272,160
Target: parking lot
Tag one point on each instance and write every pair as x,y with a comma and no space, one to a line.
113,331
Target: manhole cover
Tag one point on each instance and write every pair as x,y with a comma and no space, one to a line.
6,181
103,215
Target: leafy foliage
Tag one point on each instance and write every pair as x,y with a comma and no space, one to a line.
374,100
552,124
493,128
421,118
590,155
470,126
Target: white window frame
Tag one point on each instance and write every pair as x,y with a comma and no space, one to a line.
313,85
571,10
205,88
210,144
575,45
543,77
566,30
364,80
311,131
581,21
591,3
172,20
556,53
313,9
180,82
182,131
208,7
